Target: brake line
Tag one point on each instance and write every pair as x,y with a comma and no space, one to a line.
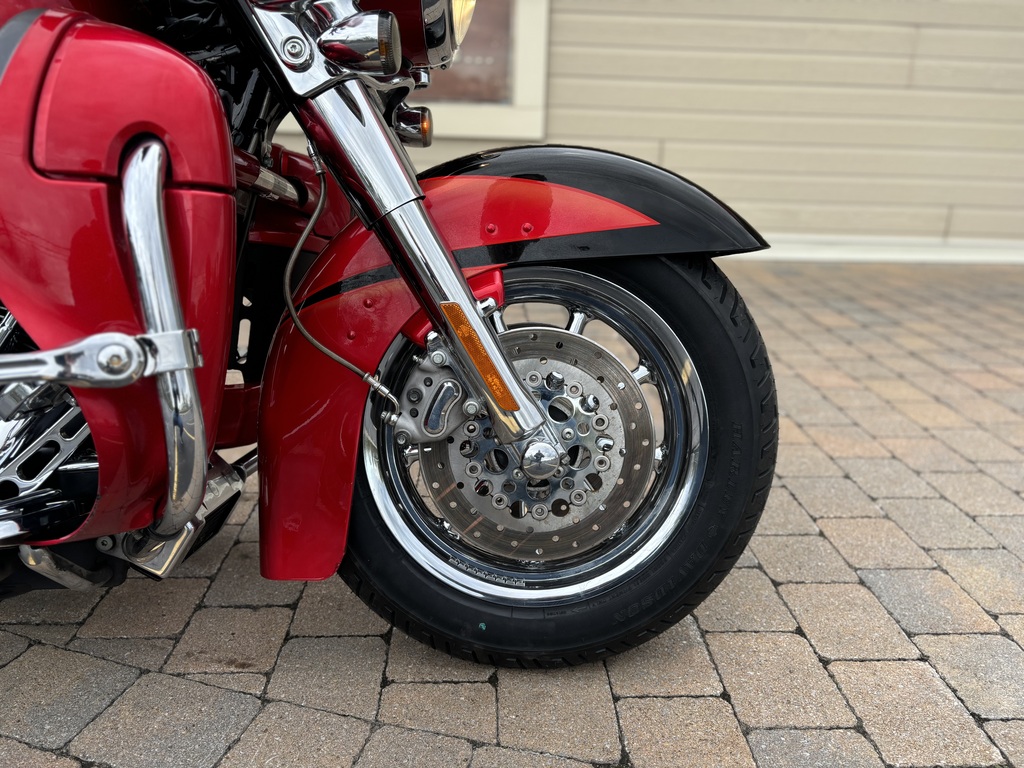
374,383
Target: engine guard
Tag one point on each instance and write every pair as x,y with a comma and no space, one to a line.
495,210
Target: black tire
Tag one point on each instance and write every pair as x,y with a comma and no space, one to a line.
689,551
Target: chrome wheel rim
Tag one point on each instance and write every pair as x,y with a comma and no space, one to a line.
605,367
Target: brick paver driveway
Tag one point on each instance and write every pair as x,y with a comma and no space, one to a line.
877,617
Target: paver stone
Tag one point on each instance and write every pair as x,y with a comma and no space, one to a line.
683,733
50,694
910,714
166,722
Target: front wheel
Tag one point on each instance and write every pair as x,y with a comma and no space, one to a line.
655,378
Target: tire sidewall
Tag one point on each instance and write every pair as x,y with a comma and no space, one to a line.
700,306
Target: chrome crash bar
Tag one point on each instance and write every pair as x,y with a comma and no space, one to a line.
167,350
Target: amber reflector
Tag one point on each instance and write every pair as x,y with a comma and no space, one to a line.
459,323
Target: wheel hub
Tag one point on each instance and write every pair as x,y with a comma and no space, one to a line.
548,509
540,461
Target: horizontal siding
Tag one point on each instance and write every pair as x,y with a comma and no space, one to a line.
941,166
617,33
787,99
971,44
731,66
855,220
1007,223
892,117
781,187
775,129
956,13
962,74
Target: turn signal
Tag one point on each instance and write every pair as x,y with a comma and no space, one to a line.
414,125
367,42
459,323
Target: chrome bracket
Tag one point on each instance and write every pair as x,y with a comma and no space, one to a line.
105,360
289,31
158,556
61,570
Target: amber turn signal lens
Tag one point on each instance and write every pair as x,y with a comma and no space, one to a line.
459,323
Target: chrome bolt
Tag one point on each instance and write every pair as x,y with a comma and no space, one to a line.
114,359
601,463
539,512
600,421
104,543
518,474
568,433
294,50
438,358
499,501
471,407
590,403
578,498
555,381
605,443
401,438
415,395
473,469
575,390
533,379
471,429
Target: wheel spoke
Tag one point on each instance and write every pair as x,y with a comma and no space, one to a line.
641,374
498,321
411,455
577,322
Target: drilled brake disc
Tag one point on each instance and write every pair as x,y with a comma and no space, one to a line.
604,424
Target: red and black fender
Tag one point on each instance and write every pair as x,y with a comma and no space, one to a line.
496,210
76,94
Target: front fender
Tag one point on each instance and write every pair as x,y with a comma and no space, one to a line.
494,209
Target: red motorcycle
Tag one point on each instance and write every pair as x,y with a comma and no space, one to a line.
511,400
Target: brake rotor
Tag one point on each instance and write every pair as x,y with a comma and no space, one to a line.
554,510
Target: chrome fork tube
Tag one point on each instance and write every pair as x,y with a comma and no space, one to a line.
362,150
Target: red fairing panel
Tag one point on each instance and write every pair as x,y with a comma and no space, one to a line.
62,252
117,77
311,411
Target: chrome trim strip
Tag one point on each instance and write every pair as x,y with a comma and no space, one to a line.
146,227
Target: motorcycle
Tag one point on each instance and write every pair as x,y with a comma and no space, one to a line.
511,400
